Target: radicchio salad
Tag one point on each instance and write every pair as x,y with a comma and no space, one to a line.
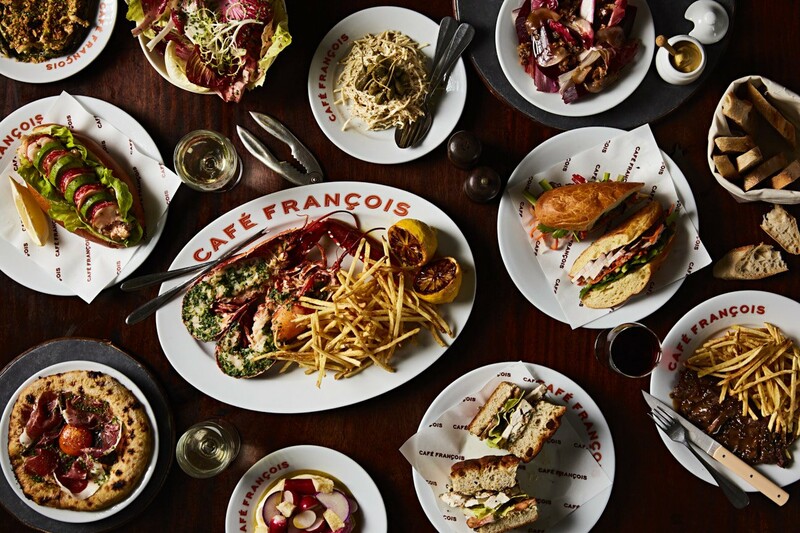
575,47
213,46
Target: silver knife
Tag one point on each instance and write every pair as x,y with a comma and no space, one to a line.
713,448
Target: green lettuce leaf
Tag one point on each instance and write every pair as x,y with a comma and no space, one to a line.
280,40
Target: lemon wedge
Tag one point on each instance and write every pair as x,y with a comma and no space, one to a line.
412,241
439,281
33,219
176,70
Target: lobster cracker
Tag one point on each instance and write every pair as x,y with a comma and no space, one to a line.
312,172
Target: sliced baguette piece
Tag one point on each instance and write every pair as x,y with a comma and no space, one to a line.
740,112
764,171
734,144
787,176
782,227
754,261
725,167
749,159
774,117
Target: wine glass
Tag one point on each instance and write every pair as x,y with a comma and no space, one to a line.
207,448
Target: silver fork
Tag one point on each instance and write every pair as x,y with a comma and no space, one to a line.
677,432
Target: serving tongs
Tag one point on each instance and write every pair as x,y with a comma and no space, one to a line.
151,279
311,173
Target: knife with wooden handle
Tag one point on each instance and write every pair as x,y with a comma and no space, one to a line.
746,472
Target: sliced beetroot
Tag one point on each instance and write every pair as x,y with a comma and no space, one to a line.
270,508
304,519
319,526
337,502
300,486
353,504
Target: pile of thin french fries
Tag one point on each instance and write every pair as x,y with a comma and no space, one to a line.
372,311
760,367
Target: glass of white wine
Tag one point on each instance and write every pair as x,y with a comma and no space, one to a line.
207,448
207,161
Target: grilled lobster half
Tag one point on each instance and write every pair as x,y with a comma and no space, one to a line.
246,304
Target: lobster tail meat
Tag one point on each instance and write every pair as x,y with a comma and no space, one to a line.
249,303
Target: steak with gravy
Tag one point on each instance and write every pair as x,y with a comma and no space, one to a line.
698,400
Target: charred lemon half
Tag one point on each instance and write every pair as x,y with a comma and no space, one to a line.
412,242
439,281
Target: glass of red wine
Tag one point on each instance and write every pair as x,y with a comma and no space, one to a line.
630,349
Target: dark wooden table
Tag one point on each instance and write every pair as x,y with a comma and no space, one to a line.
652,492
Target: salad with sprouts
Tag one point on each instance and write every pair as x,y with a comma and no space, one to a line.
213,46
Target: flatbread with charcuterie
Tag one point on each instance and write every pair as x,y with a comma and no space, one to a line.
79,440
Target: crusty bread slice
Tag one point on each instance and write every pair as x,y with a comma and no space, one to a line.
480,424
782,227
740,112
749,159
754,261
491,472
787,176
725,167
525,512
764,170
624,234
734,144
774,117
579,207
545,422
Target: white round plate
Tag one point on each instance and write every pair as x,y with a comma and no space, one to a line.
64,515
376,206
517,253
584,518
62,67
379,146
16,124
709,319
506,43
371,514
156,61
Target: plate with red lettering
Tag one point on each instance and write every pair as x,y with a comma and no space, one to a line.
376,206
332,115
711,319
561,389
63,67
13,261
288,462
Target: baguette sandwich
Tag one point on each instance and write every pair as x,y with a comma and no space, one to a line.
577,209
487,492
80,187
519,425
621,263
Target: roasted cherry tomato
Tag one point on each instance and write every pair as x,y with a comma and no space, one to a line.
73,439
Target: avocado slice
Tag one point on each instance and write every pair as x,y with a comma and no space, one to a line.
100,196
43,151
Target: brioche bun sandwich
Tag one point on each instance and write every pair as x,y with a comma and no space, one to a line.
520,425
487,492
578,209
81,187
622,262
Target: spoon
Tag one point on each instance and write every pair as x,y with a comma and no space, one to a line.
663,43
413,133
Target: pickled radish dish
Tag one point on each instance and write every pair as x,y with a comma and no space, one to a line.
306,502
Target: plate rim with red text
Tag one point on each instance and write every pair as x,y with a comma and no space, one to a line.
293,391
777,311
96,39
584,518
371,508
379,146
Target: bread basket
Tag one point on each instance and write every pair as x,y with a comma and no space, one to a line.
788,103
